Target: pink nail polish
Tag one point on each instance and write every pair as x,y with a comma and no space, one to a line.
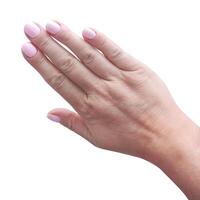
53,118
32,30
53,27
89,33
29,50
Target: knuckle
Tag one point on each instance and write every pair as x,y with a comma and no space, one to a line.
115,53
71,123
88,57
45,43
57,81
40,60
83,106
67,65
65,37
102,89
86,108
102,41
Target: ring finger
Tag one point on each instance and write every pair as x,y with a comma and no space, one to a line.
56,79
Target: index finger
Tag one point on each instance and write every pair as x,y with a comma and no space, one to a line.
56,79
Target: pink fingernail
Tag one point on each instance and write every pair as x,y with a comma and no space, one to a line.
53,27
89,33
53,118
29,50
32,30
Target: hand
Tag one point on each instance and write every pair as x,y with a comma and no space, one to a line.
121,105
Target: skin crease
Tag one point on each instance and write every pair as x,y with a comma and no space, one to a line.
121,104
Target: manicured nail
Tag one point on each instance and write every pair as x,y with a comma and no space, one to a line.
89,33
32,30
53,27
29,50
53,118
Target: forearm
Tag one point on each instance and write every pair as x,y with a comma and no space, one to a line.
185,172
180,159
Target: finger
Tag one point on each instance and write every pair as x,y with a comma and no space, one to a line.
71,120
53,76
90,56
61,58
111,51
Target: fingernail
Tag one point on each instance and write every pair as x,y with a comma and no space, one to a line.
89,33
53,27
32,30
53,118
29,50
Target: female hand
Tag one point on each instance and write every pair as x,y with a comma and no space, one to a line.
121,104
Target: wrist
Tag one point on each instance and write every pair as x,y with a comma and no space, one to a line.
181,139
177,154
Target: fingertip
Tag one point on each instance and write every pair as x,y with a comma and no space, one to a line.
53,118
59,111
32,30
89,33
28,49
58,114
53,27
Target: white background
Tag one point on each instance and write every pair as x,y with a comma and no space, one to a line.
43,160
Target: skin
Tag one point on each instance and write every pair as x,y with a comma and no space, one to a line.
121,104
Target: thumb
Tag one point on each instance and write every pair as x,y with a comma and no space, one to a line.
71,120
